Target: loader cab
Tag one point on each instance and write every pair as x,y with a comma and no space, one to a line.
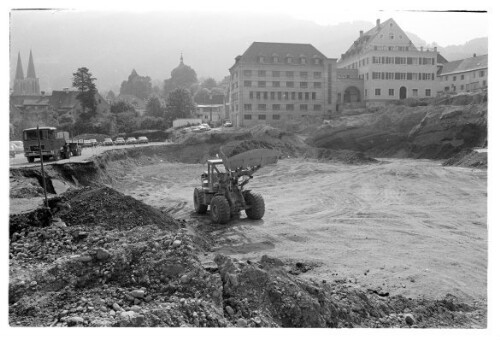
210,179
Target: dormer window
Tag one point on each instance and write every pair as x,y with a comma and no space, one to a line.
302,59
275,58
261,59
391,36
316,59
288,58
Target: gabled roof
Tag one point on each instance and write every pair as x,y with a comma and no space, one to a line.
37,101
464,65
64,99
268,50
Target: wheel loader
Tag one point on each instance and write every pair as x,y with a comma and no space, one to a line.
222,185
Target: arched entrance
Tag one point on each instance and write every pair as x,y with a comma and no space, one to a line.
352,95
402,92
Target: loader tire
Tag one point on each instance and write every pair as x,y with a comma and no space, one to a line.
256,203
220,210
199,207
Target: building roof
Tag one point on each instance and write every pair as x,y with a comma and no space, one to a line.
42,100
268,50
64,99
464,65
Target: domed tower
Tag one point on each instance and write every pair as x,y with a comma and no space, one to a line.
183,75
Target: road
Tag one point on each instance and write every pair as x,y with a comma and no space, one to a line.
21,161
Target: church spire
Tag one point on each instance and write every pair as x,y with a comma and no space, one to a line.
31,68
182,59
19,68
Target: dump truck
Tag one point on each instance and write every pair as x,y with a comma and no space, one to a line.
222,185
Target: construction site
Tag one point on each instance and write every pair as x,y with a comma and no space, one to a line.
374,219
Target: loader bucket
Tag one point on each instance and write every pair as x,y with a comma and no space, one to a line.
251,158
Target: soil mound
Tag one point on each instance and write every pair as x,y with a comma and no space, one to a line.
109,208
234,148
469,158
341,156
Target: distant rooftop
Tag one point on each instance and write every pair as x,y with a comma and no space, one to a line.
464,65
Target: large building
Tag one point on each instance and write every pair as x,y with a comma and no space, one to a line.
26,86
391,66
273,83
464,75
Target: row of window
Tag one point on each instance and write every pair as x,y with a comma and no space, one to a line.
400,76
288,84
462,76
392,60
275,74
288,60
282,95
279,107
390,92
467,87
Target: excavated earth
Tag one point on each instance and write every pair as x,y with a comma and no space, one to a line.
347,241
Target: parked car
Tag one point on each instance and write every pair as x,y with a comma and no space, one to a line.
94,142
119,141
142,140
107,142
131,140
87,143
15,148
228,124
204,127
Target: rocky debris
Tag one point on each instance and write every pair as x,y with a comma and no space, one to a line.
109,208
468,158
409,319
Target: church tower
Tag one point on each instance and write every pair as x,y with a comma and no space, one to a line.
29,85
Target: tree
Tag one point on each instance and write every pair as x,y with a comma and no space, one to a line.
121,106
209,83
85,83
154,107
179,104
137,85
202,96
111,96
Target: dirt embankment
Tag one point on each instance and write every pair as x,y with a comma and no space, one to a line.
88,271
434,131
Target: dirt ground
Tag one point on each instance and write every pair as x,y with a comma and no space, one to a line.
410,227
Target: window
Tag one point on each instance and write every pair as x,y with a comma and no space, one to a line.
247,73
289,84
313,95
279,95
306,95
303,74
461,87
302,61
285,95
247,117
454,78
261,59
391,36
289,74
317,75
262,117
276,84
300,95
303,85
317,85
293,95
257,95
265,95
289,60
262,84
303,107
262,107
251,94
481,74
446,78
247,107
415,92
317,107
276,74
273,95
289,107
247,83
275,60
316,61
427,92
391,92
377,92
276,107
462,77
262,73
276,117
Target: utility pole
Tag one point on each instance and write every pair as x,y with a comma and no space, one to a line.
41,162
